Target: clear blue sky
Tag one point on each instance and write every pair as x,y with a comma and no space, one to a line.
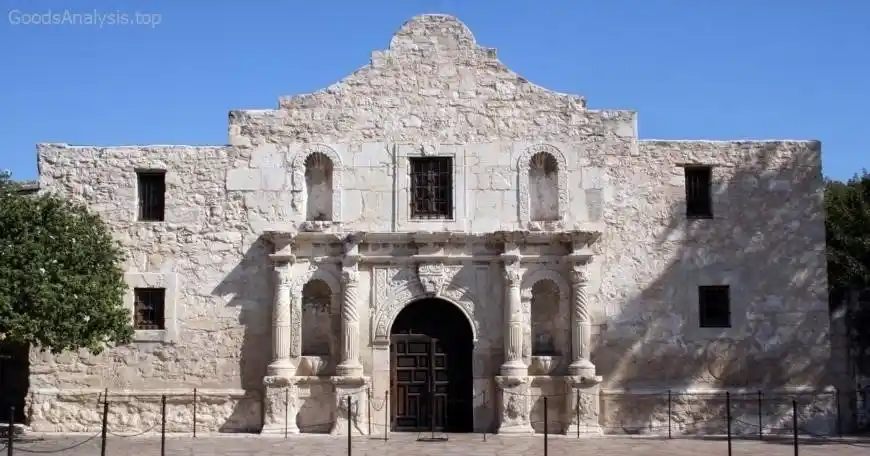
737,69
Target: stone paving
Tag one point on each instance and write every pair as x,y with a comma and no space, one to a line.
407,444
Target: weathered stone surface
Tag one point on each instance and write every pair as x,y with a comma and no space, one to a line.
435,91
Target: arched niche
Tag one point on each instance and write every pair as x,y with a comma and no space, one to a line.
546,296
543,184
318,167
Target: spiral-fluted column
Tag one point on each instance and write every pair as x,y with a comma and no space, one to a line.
513,309
282,364
581,323
350,366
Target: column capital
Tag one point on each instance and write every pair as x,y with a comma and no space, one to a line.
350,273
512,271
579,272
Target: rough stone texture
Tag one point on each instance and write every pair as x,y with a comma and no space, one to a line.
435,91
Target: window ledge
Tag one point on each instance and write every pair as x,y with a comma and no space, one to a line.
152,335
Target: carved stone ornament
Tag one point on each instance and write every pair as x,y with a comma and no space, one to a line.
580,273
433,277
512,273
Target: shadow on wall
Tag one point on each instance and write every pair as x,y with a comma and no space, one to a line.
249,287
655,342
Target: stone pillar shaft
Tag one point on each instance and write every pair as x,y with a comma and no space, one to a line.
581,323
349,365
282,323
513,331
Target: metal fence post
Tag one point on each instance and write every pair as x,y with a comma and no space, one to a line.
163,425
194,413
669,414
349,425
794,425
546,427
728,418
760,416
105,425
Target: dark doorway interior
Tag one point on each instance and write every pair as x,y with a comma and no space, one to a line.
14,380
431,368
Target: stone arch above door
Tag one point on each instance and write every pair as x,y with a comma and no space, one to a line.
405,294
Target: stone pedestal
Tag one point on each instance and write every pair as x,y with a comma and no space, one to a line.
355,388
514,405
583,407
281,406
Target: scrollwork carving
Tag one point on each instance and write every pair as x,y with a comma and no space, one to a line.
397,287
434,277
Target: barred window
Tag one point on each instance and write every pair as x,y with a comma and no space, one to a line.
714,306
699,198
431,187
150,304
152,194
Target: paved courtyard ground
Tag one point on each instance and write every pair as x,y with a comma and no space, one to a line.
407,444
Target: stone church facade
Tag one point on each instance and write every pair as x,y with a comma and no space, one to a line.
445,243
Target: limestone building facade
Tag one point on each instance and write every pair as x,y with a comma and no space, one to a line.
446,243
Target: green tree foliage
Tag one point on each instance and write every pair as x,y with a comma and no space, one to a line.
848,237
61,285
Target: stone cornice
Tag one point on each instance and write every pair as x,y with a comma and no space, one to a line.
581,239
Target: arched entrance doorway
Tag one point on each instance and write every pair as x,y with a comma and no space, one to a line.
431,345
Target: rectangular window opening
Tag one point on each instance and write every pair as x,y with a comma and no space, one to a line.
699,191
714,306
149,309
431,187
152,195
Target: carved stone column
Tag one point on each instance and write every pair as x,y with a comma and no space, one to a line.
513,313
282,364
581,324
350,365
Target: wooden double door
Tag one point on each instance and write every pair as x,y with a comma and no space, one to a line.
431,386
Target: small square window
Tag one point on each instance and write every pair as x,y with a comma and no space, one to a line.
149,308
699,191
152,195
714,306
431,187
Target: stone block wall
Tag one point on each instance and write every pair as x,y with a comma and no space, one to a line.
451,96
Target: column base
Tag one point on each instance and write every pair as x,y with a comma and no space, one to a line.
281,406
354,420
583,407
514,408
350,370
584,430
281,368
514,368
582,368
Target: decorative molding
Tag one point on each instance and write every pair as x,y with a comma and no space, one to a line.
394,288
523,164
282,238
298,176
